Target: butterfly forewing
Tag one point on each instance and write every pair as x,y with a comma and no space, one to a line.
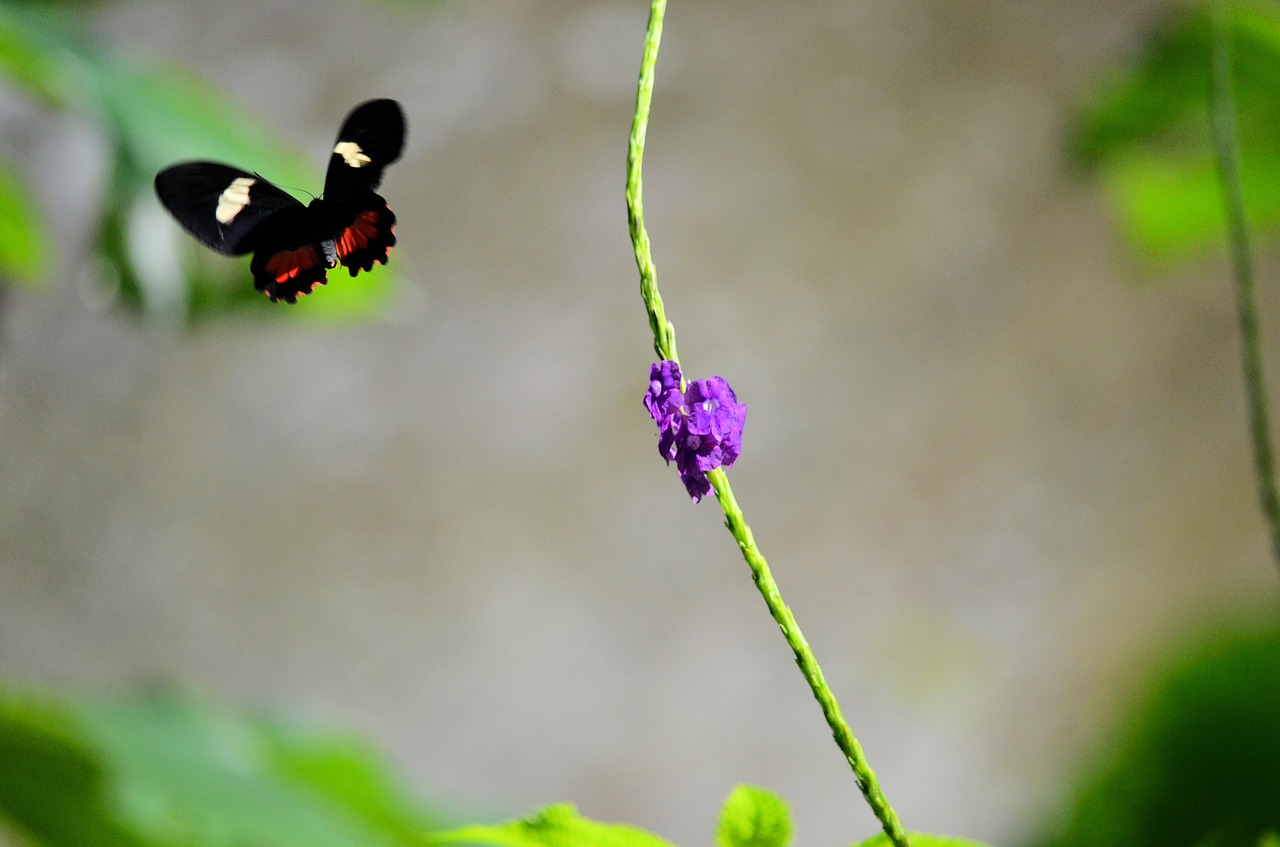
370,139
220,205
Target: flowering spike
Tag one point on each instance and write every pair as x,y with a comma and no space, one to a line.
700,428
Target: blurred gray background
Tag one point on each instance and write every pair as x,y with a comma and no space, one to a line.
996,465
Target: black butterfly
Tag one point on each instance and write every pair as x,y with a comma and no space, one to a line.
236,212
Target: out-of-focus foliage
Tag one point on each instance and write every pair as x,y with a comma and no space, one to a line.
172,771
753,817
554,826
1146,130
169,770
152,117
1196,761
23,238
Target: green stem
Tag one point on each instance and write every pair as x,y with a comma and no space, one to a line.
664,344
844,737
664,334
1226,150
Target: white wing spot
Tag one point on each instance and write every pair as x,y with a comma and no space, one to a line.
232,200
352,154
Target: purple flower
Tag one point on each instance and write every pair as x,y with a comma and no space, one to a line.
664,398
699,429
714,411
664,402
695,480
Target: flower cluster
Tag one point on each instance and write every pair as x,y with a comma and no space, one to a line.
699,428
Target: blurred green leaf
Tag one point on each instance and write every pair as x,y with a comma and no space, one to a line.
352,776
156,115
36,53
1197,760
24,241
171,771
1147,131
188,775
1171,209
166,115
52,786
1162,97
753,817
554,826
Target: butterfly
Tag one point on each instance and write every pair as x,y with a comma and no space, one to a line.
236,212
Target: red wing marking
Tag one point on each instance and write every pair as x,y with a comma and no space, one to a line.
358,236
287,264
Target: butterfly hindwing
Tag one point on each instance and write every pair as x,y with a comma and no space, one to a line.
288,257
370,139
220,205
366,233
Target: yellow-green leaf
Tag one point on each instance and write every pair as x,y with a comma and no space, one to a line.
753,817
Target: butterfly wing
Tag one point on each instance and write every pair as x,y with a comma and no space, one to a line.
366,232
236,212
288,258
371,138
221,205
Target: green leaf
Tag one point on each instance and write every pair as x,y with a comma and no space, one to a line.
1196,760
1173,209
753,817
1160,101
922,839
554,826
24,241
36,55
170,771
52,786
1147,131
156,115
163,115
187,774
349,775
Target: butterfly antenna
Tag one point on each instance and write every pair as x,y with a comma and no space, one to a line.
295,189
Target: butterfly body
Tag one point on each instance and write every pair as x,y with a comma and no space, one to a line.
236,212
